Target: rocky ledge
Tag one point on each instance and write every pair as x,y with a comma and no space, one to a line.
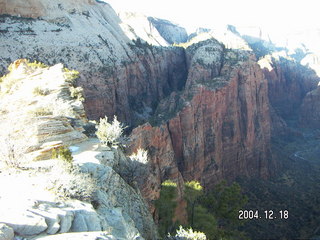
42,195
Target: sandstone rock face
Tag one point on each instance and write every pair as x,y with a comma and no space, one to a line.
39,98
119,77
80,236
6,232
34,211
24,223
309,114
218,128
288,83
170,32
120,206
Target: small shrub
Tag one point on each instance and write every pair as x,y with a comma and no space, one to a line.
189,234
71,75
77,93
63,153
36,64
12,151
40,91
69,182
140,156
110,133
41,111
137,167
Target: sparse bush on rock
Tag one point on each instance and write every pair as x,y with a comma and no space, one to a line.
11,151
77,93
137,167
40,91
63,153
40,111
187,234
36,64
67,181
71,75
110,133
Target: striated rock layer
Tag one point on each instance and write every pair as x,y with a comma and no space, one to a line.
38,112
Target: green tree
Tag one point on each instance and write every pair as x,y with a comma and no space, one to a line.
166,206
193,190
199,218
224,202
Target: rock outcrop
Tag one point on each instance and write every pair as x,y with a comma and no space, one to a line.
119,77
52,196
37,108
219,127
288,82
172,33
309,114
157,32
6,232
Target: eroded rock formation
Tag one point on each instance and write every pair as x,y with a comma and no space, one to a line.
40,114
119,77
288,82
219,127
38,110
207,111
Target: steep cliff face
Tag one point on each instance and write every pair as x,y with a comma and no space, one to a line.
309,115
210,108
219,127
41,112
172,33
288,83
158,32
119,77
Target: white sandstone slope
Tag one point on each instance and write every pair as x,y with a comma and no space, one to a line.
118,76
46,197
37,110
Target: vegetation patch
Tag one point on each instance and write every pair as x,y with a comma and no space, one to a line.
68,182
77,93
63,153
71,75
110,133
40,111
38,91
213,214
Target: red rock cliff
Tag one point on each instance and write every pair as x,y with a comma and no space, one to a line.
288,83
219,127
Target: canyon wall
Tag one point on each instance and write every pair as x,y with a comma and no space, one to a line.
217,128
206,110
120,77
288,82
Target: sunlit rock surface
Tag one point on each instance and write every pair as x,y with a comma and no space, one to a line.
37,108
45,119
